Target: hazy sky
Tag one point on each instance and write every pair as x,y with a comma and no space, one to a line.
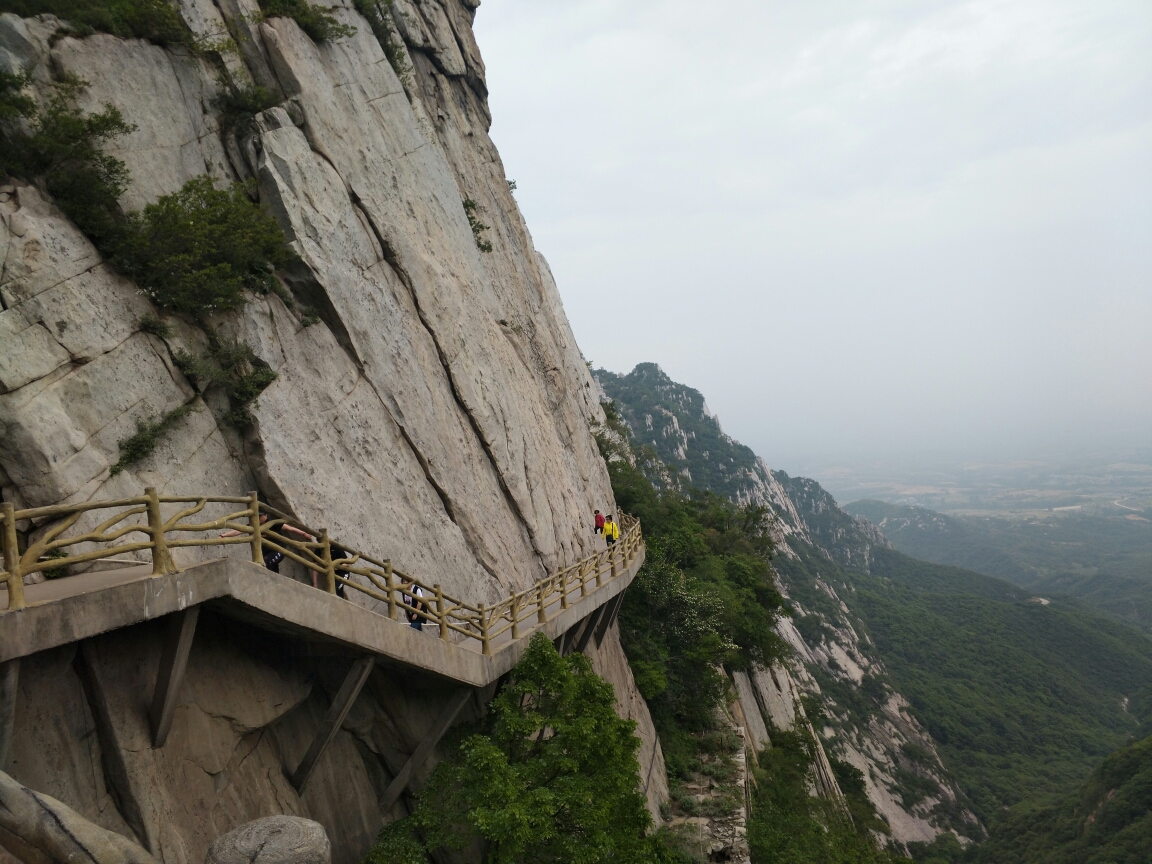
860,228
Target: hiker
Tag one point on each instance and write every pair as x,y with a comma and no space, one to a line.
272,557
412,595
611,531
599,522
338,553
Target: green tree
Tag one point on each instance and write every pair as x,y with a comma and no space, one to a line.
790,826
197,250
60,148
551,776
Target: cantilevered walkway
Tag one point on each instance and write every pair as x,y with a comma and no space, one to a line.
466,646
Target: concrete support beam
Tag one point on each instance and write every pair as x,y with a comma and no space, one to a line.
574,636
9,681
349,690
591,623
170,675
400,782
609,611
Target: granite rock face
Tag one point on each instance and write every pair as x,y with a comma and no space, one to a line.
436,415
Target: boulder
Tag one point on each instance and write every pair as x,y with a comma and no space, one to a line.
273,840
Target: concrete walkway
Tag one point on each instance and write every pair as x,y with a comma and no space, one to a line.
66,610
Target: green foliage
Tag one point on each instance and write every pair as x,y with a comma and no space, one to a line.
61,147
152,324
1108,820
714,461
478,227
313,20
851,782
1104,560
197,250
1022,699
234,367
14,103
238,105
158,21
550,776
945,849
397,844
56,572
789,826
704,597
148,435
374,12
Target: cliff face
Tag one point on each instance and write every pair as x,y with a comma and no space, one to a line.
437,414
410,417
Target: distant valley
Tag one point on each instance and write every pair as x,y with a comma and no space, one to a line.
893,605
1103,559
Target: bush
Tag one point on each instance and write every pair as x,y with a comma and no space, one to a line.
313,20
478,227
233,366
148,435
61,148
239,105
197,250
152,324
374,12
157,21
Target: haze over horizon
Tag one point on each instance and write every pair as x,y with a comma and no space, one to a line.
880,231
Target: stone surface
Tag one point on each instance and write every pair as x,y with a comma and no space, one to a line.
37,829
755,730
609,662
437,415
273,840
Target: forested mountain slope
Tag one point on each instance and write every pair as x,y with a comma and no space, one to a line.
1105,560
1107,819
1020,700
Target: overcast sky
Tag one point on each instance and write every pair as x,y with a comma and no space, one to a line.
862,229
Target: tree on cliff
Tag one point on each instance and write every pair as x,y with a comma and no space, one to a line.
551,775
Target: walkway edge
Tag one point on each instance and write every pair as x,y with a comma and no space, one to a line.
249,592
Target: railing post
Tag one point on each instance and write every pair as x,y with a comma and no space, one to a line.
583,579
254,524
563,580
161,560
12,556
484,631
326,555
391,590
515,611
541,609
440,613
612,556
599,578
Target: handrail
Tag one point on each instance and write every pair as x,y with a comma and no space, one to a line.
245,526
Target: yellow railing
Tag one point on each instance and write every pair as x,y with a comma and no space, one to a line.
248,521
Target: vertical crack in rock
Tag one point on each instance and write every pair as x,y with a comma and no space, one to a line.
394,262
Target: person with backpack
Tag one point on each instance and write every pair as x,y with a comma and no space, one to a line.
611,531
599,522
412,599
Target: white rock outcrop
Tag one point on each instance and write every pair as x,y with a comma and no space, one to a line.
437,415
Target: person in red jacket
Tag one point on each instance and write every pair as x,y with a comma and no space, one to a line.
599,522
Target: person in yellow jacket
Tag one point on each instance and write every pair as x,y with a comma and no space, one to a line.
611,530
